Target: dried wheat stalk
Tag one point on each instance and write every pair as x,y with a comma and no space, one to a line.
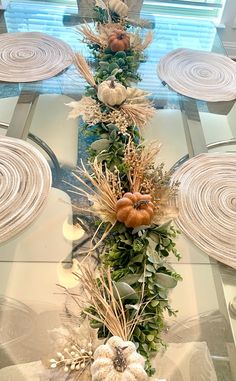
140,113
90,36
139,45
108,307
84,69
103,191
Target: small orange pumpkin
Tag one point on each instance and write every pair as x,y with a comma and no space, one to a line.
135,209
118,41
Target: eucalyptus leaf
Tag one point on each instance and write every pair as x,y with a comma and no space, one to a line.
165,242
100,145
104,136
154,304
111,126
113,135
154,237
150,337
163,294
130,279
153,257
113,66
120,228
104,65
139,228
96,325
145,347
137,259
135,307
121,54
151,268
116,71
165,280
141,279
103,156
138,245
124,290
162,228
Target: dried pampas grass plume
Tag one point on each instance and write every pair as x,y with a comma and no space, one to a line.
84,69
103,191
102,188
140,113
92,37
138,44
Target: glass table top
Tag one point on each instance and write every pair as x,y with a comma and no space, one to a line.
34,262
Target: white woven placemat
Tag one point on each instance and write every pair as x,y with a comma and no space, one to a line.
201,75
207,204
32,56
25,180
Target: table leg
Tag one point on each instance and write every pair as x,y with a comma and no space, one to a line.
192,126
22,116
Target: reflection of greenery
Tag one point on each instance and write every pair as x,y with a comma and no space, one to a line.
102,15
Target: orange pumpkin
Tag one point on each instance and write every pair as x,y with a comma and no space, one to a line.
118,41
135,209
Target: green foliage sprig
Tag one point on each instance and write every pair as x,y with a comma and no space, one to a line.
138,257
108,63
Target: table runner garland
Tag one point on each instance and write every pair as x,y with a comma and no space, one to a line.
126,297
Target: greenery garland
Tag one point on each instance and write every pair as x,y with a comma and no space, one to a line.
137,255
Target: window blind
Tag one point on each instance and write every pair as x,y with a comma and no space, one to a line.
208,9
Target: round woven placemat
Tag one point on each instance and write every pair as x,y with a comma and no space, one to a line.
32,56
201,75
25,181
207,204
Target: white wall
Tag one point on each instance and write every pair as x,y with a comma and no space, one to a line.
228,34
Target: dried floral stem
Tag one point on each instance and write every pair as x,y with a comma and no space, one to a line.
142,45
139,160
139,113
90,36
83,68
104,298
103,192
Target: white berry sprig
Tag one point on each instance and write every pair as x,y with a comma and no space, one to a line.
73,358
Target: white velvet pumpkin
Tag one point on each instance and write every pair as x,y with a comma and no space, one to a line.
111,93
118,360
119,7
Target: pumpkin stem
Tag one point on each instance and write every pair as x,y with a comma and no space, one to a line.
121,36
139,203
119,362
112,84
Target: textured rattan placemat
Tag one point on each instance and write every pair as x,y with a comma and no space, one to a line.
201,75
207,204
25,181
32,56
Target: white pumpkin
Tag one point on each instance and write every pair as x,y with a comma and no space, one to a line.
111,93
119,7
118,360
